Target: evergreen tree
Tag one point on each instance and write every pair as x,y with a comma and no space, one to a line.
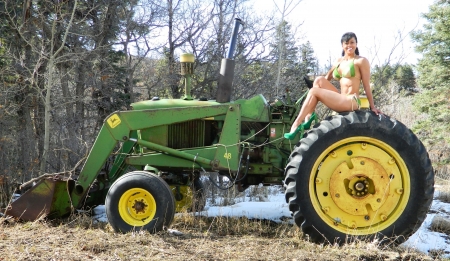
293,62
404,78
283,46
308,61
399,76
433,74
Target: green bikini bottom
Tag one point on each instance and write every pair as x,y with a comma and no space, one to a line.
358,101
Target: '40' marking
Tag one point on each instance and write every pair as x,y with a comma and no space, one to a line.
227,155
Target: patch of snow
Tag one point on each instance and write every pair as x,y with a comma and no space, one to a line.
100,214
174,232
14,197
424,239
276,209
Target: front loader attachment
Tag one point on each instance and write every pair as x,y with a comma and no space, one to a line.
58,196
48,197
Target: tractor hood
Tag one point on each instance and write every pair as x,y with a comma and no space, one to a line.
254,109
170,103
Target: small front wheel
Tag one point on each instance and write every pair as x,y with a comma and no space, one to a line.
139,200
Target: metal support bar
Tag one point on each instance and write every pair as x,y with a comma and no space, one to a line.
177,153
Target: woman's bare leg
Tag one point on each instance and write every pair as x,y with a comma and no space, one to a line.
306,111
321,82
333,100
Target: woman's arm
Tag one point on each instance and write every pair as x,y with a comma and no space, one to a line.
329,74
365,78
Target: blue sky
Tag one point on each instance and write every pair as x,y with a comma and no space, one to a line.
376,24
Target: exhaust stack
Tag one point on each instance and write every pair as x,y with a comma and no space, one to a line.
225,85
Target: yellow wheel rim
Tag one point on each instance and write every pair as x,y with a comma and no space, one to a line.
359,186
137,207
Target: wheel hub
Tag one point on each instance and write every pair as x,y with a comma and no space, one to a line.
139,206
359,185
352,188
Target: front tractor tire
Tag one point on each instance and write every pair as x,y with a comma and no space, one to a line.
359,176
139,200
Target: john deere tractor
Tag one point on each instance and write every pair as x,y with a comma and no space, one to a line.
353,175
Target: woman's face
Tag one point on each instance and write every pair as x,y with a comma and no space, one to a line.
349,47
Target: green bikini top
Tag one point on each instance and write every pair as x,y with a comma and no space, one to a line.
347,71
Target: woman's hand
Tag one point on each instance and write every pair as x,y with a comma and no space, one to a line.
377,111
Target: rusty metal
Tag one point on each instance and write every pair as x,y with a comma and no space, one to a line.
49,196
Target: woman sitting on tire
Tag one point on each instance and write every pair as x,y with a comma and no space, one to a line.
350,70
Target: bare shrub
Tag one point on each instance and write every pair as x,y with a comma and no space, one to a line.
443,193
440,224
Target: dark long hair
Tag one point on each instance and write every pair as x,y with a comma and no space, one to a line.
346,37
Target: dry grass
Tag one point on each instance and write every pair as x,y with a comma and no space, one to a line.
440,224
443,190
77,238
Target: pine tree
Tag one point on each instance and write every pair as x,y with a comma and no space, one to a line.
308,61
434,74
293,61
404,78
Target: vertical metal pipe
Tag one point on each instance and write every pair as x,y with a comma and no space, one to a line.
233,40
187,69
224,88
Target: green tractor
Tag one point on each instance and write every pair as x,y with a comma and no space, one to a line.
353,175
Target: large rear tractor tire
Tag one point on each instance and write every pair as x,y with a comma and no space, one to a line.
358,176
139,200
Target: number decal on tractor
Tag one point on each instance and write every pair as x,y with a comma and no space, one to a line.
227,155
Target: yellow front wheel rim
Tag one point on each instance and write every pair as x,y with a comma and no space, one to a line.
137,207
359,186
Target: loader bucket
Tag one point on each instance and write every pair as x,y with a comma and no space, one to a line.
48,198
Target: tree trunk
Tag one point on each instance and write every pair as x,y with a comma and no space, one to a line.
170,54
51,81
